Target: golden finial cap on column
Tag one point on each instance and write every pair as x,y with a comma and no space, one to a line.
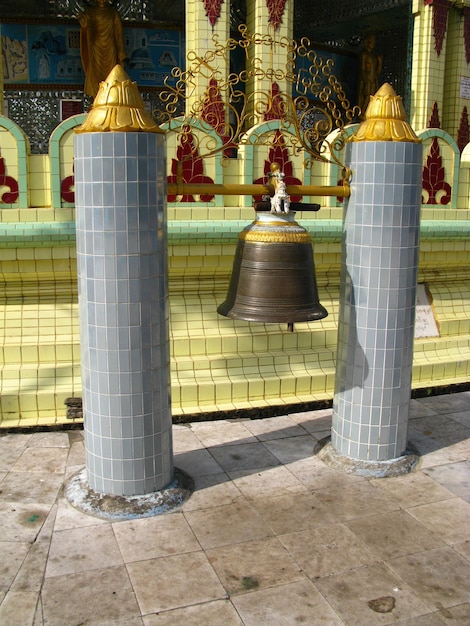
118,107
385,119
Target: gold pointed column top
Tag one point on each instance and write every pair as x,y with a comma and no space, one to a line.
118,107
385,119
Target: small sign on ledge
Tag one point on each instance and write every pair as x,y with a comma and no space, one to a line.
425,324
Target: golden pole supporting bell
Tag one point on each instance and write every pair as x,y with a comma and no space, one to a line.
273,276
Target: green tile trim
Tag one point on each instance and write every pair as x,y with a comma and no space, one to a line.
22,144
54,154
37,234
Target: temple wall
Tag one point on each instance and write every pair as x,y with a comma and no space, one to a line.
217,364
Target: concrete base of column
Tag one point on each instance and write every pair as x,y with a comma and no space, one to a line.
115,507
369,469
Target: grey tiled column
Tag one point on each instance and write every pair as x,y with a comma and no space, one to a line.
120,190
377,301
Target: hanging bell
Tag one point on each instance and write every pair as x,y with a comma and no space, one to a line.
273,276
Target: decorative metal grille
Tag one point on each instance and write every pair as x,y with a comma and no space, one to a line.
306,120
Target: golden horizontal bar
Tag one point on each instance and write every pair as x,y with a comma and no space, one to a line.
233,189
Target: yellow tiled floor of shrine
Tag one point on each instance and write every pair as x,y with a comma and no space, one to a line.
217,364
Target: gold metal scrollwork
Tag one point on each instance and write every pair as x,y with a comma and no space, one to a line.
305,120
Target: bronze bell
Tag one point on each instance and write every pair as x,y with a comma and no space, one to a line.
273,276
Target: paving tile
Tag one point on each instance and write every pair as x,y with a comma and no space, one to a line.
453,476
445,430
327,550
22,522
315,475
412,489
76,456
69,517
314,421
11,448
439,577
370,596
431,619
152,537
243,456
293,448
184,439
40,460
295,603
434,452
82,549
209,614
127,621
419,409
31,573
49,439
30,487
450,519
197,463
463,549
13,553
270,481
456,615
222,433
355,500
96,596
281,427
18,607
293,512
394,534
176,581
224,525
448,403
244,567
211,491
462,417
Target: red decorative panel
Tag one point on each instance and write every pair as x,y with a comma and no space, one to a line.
213,112
438,190
464,130
279,154
434,121
67,189
188,167
466,33
440,9
213,10
276,11
277,107
8,181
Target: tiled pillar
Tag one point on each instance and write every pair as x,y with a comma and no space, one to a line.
120,187
378,286
457,69
428,71
203,22
276,20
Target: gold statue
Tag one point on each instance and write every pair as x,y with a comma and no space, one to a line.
370,66
101,43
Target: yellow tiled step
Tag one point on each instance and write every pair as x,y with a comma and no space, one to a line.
441,360
35,394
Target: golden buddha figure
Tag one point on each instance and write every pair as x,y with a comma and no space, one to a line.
101,43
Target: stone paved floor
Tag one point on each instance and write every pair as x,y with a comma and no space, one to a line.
271,536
